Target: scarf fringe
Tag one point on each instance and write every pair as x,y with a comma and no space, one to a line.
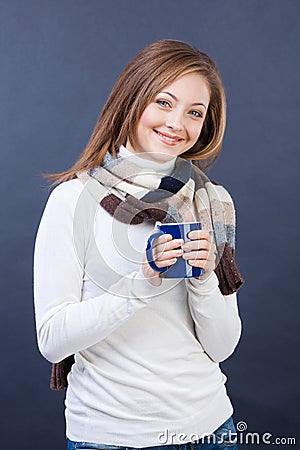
229,276
59,373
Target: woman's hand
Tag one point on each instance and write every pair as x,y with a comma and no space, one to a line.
166,250
200,251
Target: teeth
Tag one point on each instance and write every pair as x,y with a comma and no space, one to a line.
168,138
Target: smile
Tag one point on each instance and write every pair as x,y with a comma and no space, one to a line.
168,139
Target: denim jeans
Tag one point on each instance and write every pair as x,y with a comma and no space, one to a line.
224,437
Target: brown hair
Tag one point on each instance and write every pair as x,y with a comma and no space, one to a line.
153,68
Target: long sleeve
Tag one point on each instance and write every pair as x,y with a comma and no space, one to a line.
65,324
216,317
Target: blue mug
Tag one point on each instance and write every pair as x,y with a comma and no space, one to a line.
181,269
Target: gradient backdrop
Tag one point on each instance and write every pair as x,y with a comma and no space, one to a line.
59,60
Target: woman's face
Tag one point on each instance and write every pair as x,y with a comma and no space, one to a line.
171,124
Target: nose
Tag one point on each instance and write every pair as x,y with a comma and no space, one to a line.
174,120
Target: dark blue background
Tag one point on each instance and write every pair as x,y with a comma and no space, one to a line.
59,60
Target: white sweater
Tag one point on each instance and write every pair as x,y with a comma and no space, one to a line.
146,366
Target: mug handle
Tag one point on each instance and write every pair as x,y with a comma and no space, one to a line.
149,253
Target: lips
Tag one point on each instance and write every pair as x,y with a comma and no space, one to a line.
168,138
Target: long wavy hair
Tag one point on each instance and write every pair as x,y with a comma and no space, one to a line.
149,72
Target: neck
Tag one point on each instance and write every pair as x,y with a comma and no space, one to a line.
145,162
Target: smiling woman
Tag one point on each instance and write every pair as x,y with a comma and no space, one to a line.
151,72
139,353
171,124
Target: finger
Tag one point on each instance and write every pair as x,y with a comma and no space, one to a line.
156,225
166,255
207,265
165,263
203,255
167,250
199,234
199,244
163,244
202,263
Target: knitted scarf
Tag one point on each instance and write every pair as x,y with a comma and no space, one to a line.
134,196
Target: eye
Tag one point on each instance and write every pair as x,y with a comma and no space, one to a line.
196,114
163,103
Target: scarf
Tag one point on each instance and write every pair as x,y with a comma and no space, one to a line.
134,195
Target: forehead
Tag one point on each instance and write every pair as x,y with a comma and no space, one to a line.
191,87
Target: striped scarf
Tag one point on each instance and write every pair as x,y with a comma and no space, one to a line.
134,196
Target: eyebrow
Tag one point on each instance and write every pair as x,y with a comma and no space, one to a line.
176,99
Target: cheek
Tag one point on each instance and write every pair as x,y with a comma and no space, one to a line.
195,132
148,118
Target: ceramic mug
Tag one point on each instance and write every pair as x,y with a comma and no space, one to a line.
181,269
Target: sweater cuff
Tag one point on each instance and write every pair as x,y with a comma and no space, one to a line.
144,290
206,297
203,286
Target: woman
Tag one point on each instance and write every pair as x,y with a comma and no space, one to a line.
138,352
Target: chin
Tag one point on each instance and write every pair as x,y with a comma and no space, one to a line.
160,157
